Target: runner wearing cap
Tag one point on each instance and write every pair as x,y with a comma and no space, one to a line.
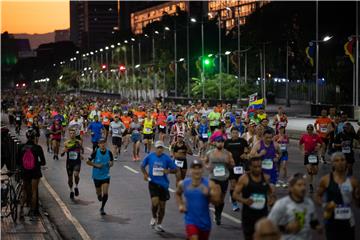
219,162
101,160
178,151
159,165
198,193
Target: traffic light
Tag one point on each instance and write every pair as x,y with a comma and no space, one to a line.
103,67
122,68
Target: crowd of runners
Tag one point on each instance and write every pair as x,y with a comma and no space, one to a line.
235,150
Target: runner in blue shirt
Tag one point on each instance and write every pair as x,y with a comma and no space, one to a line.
160,164
96,129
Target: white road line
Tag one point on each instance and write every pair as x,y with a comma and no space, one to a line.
131,169
90,149
171,190
66,211
225,215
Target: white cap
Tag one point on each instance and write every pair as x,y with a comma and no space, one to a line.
159,144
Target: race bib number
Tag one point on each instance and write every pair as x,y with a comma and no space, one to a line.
267,164
216,122
323,129
179,163
17,118
148,130
219,171
204,135
239,170
259,201
283,147
312,159
282,124
162,127
346,149
135,131
106,119
73,155
158,171
342,213
115,131
31,120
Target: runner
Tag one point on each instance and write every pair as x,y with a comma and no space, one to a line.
179,150
30,117
126,120
106,117
295,214
101,160
249,135
283,140
344,143
117,128
148,132
280,120
18,120
55,130
238,147
219,162
214,119
72,148
237,123
160,165
96,131
254,191
322,125
269,152
78,125
340,191
178,128
310,145
265,229
161,123
202,131
198,193
135,129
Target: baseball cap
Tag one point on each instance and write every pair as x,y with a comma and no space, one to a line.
219,139
196,163
159,144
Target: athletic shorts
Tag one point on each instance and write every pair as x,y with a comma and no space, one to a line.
107,127
162,130
78,137
116,141
236,176
99,182
223,184
72,166
212,128
306,161
136,137
193,230
156,190
148,136
284,156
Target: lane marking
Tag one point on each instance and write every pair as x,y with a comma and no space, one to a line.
171,190
225,215
66,211
131,169
88,148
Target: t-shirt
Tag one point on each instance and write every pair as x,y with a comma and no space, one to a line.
286,210
236,147
106,116
95,128
117,128
157,164
135,127
346,139
322,126
126,121
214,118
310,142
104,158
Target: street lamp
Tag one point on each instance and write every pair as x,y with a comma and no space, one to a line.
181,60
193,20
167,29
227,53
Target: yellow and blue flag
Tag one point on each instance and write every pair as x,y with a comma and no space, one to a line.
310,53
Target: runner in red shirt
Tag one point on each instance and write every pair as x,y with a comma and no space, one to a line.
323,126
126,119
161,124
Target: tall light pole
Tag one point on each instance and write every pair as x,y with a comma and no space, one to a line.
187,55
107,62
227,54
133,64
317,55
220,67
287,75
357,54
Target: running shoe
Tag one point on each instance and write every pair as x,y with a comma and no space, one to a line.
102,212
76,191
152,222
159,228
235,207
72,195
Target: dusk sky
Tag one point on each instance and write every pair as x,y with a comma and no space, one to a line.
34,16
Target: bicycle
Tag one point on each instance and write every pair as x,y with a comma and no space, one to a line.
10,195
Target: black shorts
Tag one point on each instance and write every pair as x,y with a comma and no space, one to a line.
117,141
306,161
162,130
184,165
223,184
148,136
99,182
212,128
106,127
72,166
236,176
78,137
156,190
29,175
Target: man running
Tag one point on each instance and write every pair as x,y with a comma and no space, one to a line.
340,191
101,160
126,120
179,150
148,131
96,129
295,214
198,193
159,165
254,191
322,125
219,162
72,148
117,128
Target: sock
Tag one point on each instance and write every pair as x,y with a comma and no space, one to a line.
104,200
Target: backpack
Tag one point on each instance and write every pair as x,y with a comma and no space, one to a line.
28,159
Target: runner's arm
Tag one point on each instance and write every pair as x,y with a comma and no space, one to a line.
179,198
237,194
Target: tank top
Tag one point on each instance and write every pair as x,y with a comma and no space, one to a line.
197,204
73,153
268,158
218,166
203,130
182,148
342,196
148,126
179,128
257,191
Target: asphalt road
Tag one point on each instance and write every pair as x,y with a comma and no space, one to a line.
128,207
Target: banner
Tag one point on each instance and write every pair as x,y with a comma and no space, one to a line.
349,49
310,53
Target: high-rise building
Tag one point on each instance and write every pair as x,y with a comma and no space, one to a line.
93,23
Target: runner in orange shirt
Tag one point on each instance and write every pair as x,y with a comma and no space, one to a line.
161,124
140,113
126,120
106,117
323,127
30,117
